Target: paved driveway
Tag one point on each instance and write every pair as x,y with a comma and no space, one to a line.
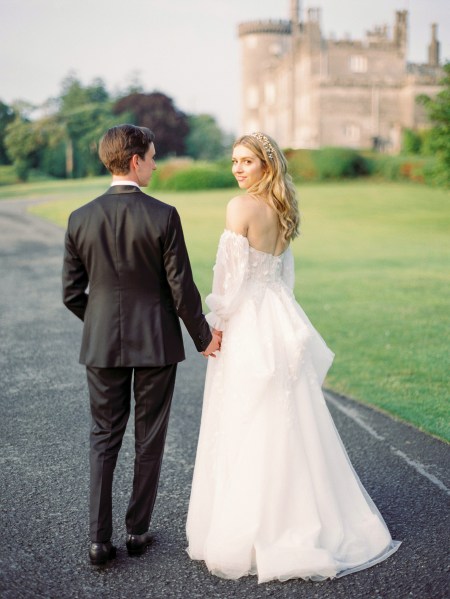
44,464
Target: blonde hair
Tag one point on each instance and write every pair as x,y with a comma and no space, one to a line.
275,186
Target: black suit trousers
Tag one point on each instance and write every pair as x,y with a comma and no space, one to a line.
110,400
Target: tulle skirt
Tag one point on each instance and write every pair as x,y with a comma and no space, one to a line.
274,493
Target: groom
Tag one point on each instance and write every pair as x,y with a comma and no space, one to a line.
129,249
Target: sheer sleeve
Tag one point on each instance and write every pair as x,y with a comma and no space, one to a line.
288,271
229,276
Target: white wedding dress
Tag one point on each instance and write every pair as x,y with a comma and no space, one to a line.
274,492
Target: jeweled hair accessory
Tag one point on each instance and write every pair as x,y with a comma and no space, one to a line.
266,143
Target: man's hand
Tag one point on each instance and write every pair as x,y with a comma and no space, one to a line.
219,333
214,344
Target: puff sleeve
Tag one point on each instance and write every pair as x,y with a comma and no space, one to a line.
230,273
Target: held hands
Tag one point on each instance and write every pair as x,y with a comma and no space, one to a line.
214,344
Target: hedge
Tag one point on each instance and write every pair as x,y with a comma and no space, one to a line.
190,176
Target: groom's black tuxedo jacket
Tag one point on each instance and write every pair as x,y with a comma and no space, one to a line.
129,249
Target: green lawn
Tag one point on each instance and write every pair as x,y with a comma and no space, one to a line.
372,273
81,189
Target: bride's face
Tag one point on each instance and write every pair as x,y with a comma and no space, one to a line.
247,167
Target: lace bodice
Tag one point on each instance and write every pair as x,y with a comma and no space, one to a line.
264,267
241,270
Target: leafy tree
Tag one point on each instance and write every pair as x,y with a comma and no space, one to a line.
6,116
80,117
438,109
426,148
22,142
411,142
64,142
205,140
157,112
82,111
97,91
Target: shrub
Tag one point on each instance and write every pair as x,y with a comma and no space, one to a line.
301,165
23,168
427,147
200,177
174,176
336,163
339,163
405,168
387,166
411,142
166,169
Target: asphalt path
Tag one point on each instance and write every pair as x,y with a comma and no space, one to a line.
44,464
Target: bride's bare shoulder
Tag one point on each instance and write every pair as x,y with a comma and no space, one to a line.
243,203
239,210
242,200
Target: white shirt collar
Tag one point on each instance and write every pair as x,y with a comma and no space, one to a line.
124,182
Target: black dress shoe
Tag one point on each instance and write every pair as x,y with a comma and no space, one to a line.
137,544
100,553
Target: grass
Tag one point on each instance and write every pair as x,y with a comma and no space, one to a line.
371,273
8,174
79,189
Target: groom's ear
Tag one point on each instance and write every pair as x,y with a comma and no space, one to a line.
134,162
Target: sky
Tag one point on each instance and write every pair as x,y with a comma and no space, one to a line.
187,49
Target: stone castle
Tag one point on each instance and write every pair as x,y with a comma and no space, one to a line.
307,91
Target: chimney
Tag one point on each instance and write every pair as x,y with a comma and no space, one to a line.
433,48
401,29
295,13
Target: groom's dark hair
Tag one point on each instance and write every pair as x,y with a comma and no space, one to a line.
120,144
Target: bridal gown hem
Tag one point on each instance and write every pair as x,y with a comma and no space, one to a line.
274,493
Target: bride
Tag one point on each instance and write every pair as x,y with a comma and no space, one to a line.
274,493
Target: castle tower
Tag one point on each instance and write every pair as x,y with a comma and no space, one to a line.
433,48
263,45
401,31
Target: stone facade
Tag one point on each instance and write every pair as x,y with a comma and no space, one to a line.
308,92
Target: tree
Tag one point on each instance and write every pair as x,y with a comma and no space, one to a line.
205,140
63,143
411,142
83,113
79,118
157,112
438,109
6,117
22,142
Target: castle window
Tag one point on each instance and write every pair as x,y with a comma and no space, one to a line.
251,41
358,64
252,97
275,49
269,93
352,132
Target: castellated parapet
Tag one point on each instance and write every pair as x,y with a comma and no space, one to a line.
308,91
278,27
